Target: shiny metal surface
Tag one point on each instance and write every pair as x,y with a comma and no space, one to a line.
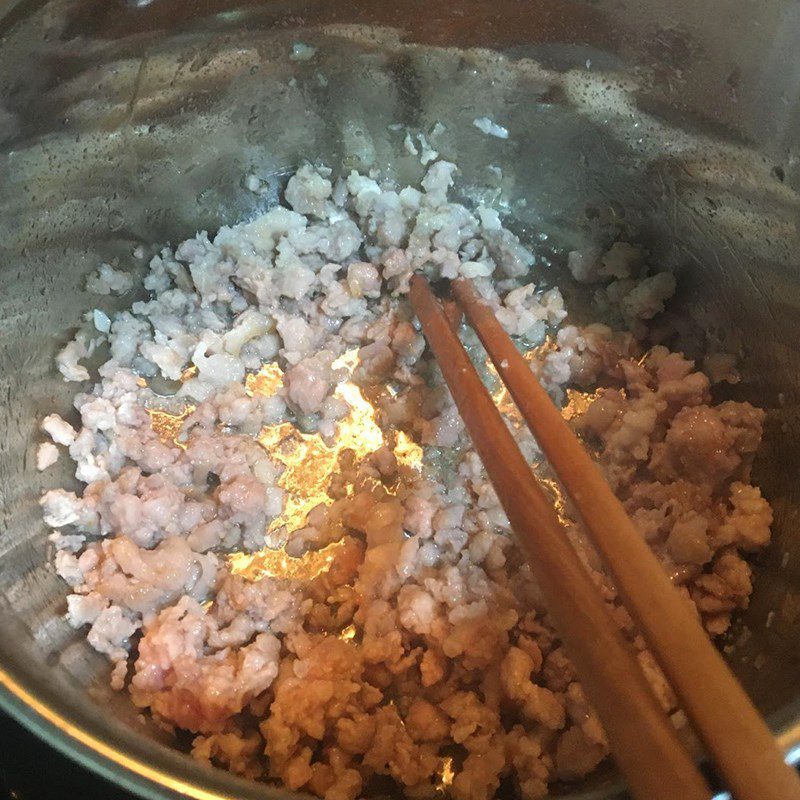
125,123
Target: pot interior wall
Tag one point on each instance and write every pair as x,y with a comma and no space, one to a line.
123,125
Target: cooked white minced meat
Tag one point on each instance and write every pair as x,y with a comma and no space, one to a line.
298,537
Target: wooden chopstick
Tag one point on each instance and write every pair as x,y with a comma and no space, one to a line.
734,734
643,740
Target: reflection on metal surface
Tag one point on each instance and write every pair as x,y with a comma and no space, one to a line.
501,396
445,774
40,716
310,462
559,499
168,426
348,633
358,431
310,465
506,406
265,382
407,451
578,402
347,360
188,373
268,563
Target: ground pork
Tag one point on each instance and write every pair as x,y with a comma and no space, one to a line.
285,543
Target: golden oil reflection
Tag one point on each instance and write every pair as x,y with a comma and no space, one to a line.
445,774
168,425
578,403
310,464
268,563
501,396
348,634
559,499
407,451
188,374
266,382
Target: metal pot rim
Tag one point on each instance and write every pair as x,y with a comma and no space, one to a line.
173,779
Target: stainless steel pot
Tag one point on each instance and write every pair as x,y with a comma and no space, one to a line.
128,123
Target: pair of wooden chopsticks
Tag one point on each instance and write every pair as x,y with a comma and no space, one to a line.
642,738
